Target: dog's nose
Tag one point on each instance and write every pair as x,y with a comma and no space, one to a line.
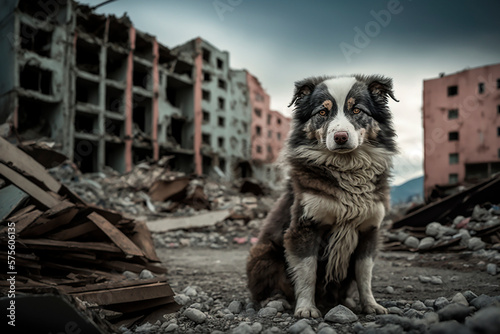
341,137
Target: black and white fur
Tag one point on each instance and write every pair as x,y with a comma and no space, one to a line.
321,236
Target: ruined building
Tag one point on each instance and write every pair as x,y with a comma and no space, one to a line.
110,95
462,127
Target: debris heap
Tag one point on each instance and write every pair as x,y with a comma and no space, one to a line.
76,248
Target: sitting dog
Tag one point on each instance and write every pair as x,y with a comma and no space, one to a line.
322,234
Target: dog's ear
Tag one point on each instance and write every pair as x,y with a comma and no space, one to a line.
380,88
304,88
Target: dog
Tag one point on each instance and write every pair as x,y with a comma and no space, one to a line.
321,237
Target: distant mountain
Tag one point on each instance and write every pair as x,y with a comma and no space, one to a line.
412,190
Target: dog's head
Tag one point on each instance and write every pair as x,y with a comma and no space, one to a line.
340,114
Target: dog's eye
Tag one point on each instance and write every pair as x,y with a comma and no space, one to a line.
322,112
356,110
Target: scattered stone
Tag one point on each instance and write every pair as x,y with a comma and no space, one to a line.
402,236
411,242
459,299
389,289
412,313
424,279
327,330
419,306
441,302
432,229
475,243
190,291
267,312
256,327
431,318
299,326
395,310
130,275
484,301
454,311
341,314
406,323
243,328
235,306
491,269
171,328
485,321
277,304
448,327
426,243
469,295
195,315
429,302
436,280
182,299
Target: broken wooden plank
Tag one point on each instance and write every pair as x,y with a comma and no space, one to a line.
117,236
142,237
141,305
27,220
29,187
22,161
126,295
44,224
162,190
11,198
21,212
111,285
74,232
69,245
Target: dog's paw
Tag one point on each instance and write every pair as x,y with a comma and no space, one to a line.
307,312
374,308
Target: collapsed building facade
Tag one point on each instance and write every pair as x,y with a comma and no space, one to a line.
461,116
110,95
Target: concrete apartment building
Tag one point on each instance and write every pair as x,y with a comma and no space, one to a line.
461,116
110,95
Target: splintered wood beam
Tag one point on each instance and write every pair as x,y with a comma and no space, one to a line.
28,187
117,236
22,161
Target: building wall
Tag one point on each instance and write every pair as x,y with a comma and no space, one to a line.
473,115
259,101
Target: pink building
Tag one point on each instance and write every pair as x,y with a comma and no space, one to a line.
269,128
461,116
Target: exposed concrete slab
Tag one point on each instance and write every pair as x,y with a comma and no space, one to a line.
202,220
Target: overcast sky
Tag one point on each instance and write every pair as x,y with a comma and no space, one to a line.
284,41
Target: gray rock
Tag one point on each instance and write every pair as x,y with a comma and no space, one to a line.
419,306
491,269
484,301
412,313
277,304
130,275
243,328
424,279
190,291
457,220
436,280
432,229
182,299
299,326
475,243
327,330
479,214
426,243
485,321
256,327
267,312
459,299
395,310
406,323
146,274
465,236
411,242
469,295
389,289
431,318
197,306
449,327
171,328
235,306
454,311
402,236
195,315
429,302
341,314
441,302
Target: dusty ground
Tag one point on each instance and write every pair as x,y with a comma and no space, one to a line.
221,274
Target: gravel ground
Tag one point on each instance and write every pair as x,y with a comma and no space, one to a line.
424,293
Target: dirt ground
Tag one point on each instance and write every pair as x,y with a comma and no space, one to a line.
221,273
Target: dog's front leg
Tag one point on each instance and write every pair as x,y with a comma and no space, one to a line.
363,268
301,247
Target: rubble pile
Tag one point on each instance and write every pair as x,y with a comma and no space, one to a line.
152,191
79,249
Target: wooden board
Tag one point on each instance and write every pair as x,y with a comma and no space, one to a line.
28,187
74,232
22,161
127,294
120,239
70,245
142,238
